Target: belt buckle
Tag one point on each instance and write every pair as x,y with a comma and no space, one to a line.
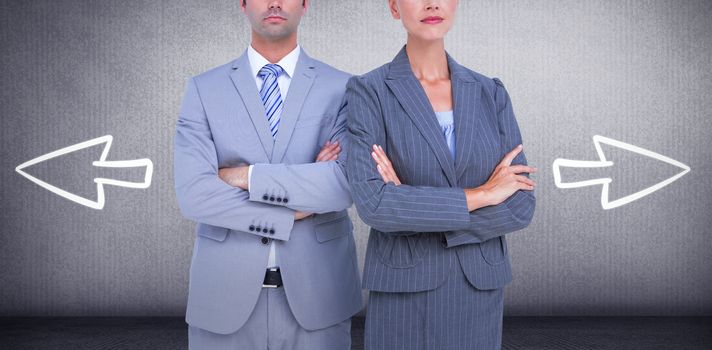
270,285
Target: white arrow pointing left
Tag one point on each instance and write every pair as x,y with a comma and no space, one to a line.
102,162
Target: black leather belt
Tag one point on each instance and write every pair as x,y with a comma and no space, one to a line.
273,279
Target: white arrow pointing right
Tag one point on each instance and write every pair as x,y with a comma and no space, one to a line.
602,162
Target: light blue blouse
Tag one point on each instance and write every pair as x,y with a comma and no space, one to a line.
447,124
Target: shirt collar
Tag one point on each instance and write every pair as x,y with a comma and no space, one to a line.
288,62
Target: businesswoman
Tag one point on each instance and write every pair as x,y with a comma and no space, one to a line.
436,171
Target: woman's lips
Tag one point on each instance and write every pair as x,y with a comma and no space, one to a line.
432,20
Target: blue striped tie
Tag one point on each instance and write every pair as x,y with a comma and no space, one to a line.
271,96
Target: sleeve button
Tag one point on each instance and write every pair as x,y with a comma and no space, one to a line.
252,227
286,200
279,199
271,199
265,197
264,230
271,231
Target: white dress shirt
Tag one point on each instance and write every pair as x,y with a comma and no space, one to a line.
289,64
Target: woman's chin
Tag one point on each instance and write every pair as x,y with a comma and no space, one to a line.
432,35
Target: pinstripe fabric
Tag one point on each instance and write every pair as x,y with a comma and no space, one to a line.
421,230
453,316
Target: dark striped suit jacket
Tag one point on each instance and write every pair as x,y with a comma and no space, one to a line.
422,227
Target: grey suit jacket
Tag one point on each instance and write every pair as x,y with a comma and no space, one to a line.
222,123
422,227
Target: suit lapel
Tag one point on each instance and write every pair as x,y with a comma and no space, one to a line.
301,83
466,93
411,95
247,89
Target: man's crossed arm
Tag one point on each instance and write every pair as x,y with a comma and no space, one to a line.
240,176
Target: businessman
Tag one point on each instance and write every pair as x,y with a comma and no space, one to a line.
259,166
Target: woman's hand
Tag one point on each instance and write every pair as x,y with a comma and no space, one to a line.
503,182
384,166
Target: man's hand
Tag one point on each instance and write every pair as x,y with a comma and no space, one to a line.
330,151
235,177
384,166
302,215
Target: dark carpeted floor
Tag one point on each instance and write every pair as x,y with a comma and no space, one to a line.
153,333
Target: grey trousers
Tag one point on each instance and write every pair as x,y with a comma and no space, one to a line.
455,315
272,326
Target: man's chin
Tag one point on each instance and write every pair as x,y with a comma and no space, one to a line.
276,32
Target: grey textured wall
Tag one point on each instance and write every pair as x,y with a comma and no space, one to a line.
635,71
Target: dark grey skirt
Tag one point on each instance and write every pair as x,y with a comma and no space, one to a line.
455,315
